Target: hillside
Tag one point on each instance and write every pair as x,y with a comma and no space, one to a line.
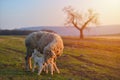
71,31
88,59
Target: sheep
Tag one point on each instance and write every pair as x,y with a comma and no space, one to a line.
47,43
38,58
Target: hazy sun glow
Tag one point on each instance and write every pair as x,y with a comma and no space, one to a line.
110,11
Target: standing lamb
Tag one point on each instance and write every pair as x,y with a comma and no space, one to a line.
39,59
47,43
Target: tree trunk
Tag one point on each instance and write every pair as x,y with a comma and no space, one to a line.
81,34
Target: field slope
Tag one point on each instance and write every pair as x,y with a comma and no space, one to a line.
88,59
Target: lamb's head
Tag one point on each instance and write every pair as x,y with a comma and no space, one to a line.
36,53
49,54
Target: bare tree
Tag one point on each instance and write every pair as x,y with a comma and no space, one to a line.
79,20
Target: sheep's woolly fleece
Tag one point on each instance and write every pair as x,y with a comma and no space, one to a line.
44,42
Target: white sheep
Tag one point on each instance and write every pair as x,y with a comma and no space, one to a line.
47,43
39,59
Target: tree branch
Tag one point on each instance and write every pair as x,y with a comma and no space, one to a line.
74,23
85,24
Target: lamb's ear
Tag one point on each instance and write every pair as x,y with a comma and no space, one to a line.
52,53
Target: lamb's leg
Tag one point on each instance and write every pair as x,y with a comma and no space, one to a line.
51,68
55,67
41,66
46,68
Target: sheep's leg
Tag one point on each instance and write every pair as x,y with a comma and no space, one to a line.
30,64
55,67
28,59
34,67
26,66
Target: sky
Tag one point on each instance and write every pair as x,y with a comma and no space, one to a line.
15,14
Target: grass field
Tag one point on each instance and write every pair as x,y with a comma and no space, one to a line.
88,59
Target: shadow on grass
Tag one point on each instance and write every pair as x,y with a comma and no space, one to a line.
90,62
14,72
27,75
15,50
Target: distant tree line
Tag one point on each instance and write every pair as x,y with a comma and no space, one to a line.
19,32
15,32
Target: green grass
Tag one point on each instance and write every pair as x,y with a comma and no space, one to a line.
88,59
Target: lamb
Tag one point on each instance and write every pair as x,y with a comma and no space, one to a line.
38,58
47,43
52,64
